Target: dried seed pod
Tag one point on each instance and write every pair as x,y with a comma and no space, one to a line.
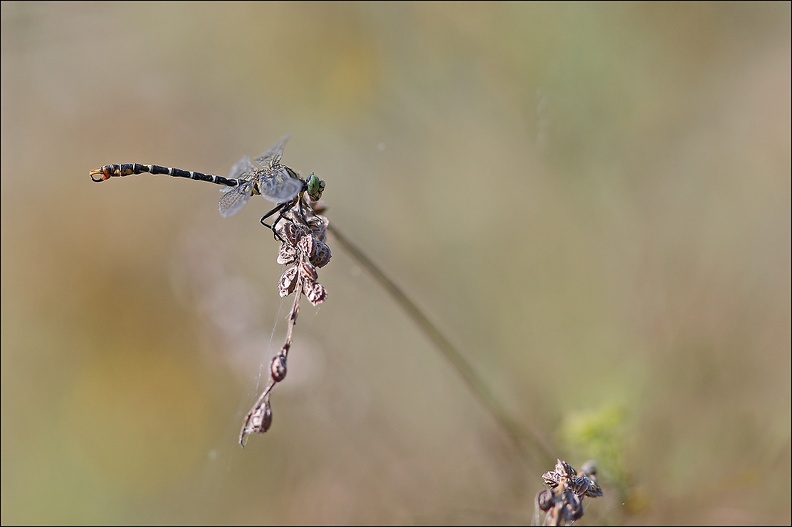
308,272
288,281
306,246
544,498
314,292
278,368
291,232
321,255
563,501
286,254
318,226
564,469
594,490
260,420
551,478
579,485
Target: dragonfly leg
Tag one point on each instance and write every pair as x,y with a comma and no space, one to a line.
300,209
278,209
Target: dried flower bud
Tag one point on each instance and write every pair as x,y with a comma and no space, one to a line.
278,368
563,501
308,272
291,232
564,469
260,420
579,485
286,254
318,226
551,479
322,254
314,292
544,498
306,246
594,490
288,281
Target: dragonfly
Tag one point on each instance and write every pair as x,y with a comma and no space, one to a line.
265,176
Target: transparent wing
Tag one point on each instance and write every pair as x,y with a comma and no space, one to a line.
273,155
277,185
235,198
241,168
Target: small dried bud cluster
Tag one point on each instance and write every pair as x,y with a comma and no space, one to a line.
303,250
562,501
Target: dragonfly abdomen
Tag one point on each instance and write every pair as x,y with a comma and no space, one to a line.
127,169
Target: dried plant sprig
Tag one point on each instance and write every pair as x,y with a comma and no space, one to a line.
562,501
303,249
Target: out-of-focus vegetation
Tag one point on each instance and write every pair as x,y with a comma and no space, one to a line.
591,200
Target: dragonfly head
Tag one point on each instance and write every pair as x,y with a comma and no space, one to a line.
315,187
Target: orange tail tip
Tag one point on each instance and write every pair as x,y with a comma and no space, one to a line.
99,172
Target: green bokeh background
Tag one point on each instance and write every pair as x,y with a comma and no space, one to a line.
591,200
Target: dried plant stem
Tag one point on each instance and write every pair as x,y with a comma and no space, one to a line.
526,442
303,250
261,406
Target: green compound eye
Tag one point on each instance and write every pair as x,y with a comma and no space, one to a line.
315,187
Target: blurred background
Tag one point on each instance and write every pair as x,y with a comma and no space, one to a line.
591,201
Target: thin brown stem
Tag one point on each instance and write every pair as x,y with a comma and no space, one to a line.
528,441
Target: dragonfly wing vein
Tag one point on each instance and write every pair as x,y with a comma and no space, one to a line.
233,200
278,186
240,167
274,154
